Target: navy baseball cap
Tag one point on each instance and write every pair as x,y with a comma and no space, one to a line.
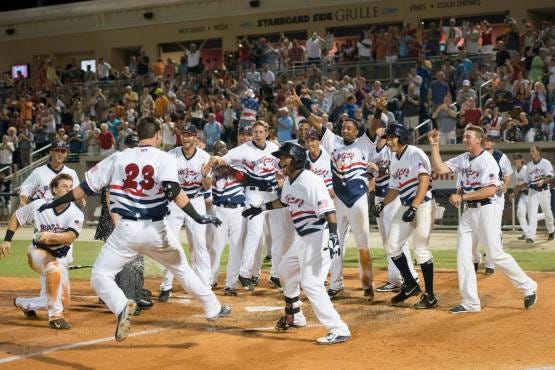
313,134
132,140
517,156
58,145
189,129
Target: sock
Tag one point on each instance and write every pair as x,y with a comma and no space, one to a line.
403,266
428,272
476,264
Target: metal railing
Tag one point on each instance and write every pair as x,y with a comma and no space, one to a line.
416,137
480,92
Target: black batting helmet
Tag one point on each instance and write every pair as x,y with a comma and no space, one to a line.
400,131
297,152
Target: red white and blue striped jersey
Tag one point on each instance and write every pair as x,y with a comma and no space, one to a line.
189,170
250,109
37,185
322,167
227,186
349,165
382,159
307,199
474,173
135,177
404,171
535,172
259,165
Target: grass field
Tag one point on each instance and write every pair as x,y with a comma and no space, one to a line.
85,253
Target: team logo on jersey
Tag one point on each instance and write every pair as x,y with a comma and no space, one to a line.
291,200
400,173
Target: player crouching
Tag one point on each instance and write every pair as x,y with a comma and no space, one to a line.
307,261
55,231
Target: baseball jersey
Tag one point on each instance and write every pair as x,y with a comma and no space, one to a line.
322,167
382,159
535,172
135,178
259,165
189,170
520,177
70,219
227,186
475,173
37,185
308,200
404,171
349,164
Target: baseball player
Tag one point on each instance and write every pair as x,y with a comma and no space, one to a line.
254,158
142,180
55,231
521,191
318,158
228,202
410,172
307,261
539,173
479,182
194,177
349,156
505,174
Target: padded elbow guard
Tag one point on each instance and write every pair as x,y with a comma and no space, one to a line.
171,189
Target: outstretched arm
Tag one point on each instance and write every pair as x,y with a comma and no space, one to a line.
438,165
76,194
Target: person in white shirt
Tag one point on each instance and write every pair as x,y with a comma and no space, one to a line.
253,78
268,75
193,58
314,48
103,70
364,47
169,136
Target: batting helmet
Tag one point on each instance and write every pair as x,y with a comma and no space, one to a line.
400,131
295,151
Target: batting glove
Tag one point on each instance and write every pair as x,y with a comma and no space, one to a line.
208,219
251,212
333,246
378,208
409,214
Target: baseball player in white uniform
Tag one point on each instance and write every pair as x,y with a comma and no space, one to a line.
479,182
142,180
410,173
191,161
521,191
505,174
228,202
255,159
539,173
307,261
55,231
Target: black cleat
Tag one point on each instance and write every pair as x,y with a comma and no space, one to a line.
522,237
458,309
489,271
476,267
274,281
255,280
551,236
530,241
230,292
334,293
388,287
530,300
246,283
164,295
405,294
283,325
224,311
145,304
59,324
426,301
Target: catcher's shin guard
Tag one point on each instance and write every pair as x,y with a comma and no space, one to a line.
287,321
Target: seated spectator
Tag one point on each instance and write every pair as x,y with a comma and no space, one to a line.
76,140
446,118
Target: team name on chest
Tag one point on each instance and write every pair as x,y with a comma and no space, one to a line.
400,173
471,173
344,156
319,171
187,172
52,227
292,201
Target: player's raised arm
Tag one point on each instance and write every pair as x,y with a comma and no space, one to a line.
295,101
438,165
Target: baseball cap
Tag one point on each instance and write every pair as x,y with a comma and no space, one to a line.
491,138
158,91
131,140
517,156
245,128
189,129
58,145
76,127
313,134
466,83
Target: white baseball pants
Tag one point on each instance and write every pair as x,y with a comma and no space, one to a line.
196,238
355,218
521,211
420,229
305,266
543,199
282,237
157,241
482,225
231,231
384,224
476,255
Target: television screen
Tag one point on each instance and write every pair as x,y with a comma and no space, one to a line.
23,68
88,62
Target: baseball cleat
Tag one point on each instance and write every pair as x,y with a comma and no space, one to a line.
230,292
255,280
224,311
530,300
274,281
368,294
124,320
164,295
522,237
59,324
476,265
388,287
283,325
405,294
551,236
30,314
334,293
459,309
530,241
145,304
146,293
246,283
489,271
426,301
332,338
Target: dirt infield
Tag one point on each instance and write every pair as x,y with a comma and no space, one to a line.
175,335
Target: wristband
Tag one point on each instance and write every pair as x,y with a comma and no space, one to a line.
332,227
267,206
9,235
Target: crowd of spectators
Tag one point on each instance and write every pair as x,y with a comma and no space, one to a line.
506,85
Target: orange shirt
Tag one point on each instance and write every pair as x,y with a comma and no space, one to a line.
160,106
26,111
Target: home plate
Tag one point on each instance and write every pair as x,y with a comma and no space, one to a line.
263,308
181,300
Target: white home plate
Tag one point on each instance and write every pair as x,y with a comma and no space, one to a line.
263,308
181,300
